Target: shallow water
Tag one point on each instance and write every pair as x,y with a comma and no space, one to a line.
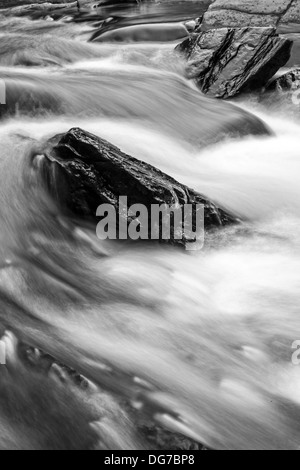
199,343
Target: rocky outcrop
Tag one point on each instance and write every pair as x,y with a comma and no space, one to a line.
83,171
282,14
224,62
241,13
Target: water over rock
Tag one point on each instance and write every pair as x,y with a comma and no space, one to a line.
92,172
227,61
164,101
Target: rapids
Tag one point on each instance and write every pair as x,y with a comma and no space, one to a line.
198,343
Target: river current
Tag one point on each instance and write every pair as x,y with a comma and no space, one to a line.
197,343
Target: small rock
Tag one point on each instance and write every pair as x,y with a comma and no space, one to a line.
288,80
190,26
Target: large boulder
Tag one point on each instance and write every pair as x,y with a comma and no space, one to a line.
224,62
83,171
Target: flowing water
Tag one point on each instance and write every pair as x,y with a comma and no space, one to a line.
197,343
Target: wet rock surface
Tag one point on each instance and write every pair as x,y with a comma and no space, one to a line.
224,62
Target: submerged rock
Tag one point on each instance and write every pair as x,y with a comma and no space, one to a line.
226,61
162,101
83,171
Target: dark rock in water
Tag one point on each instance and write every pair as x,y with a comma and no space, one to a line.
293,33
242,13
286,80
83,171
224,62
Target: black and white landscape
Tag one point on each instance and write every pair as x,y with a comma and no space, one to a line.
141,341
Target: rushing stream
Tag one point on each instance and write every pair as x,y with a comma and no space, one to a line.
198,343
